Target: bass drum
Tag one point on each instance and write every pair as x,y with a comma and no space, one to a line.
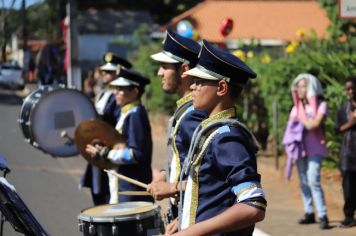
49,116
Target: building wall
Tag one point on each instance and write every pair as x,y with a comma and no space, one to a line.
93,47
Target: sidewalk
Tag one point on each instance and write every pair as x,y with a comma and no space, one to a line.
285,204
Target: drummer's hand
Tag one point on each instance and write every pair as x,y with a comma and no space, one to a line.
93,151
161,190
172,227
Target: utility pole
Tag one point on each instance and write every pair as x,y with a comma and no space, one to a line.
3,46
275,128
74,77
26,53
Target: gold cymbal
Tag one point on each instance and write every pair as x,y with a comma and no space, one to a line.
90,131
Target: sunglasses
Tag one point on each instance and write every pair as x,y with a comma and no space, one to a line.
199,82
123,88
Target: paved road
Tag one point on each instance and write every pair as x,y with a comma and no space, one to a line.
285,206
48,186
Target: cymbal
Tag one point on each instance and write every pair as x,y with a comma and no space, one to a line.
90,130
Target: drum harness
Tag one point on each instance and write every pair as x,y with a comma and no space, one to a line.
6,170
172,123
201,139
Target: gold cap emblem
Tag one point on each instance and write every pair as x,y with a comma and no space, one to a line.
108,57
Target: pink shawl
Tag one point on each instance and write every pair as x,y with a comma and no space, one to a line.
314,89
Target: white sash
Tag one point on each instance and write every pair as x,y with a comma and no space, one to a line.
187,201
102,100
113,180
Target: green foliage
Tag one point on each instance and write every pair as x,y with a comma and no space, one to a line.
339,26
330,61
155,99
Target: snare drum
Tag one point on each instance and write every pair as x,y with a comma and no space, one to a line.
49,116
129,218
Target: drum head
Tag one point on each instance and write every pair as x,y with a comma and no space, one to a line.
58,111
119,212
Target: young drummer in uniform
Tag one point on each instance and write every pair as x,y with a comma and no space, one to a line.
134,156
179,54
105,101
223,195
105,105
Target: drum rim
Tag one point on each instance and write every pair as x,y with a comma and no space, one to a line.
112,219
30,103
57,89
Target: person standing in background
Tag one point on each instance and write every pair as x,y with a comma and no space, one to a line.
311,111
346,124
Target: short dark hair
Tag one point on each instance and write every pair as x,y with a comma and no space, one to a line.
235,90
177,66
141,90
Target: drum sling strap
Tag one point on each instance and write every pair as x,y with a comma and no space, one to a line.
169,152
202,137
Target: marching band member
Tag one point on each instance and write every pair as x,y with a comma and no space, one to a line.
223,194
179,54
105,105
134,156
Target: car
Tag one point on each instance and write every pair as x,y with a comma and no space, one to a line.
11,76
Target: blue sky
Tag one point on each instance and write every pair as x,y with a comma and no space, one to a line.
7,3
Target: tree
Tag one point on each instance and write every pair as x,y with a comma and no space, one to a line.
339,27
6,26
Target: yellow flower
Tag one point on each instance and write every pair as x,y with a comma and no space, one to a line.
300,33
294,43
291,48
266,59
249,54
240,54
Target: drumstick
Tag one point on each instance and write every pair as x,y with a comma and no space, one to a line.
132,181
135,193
